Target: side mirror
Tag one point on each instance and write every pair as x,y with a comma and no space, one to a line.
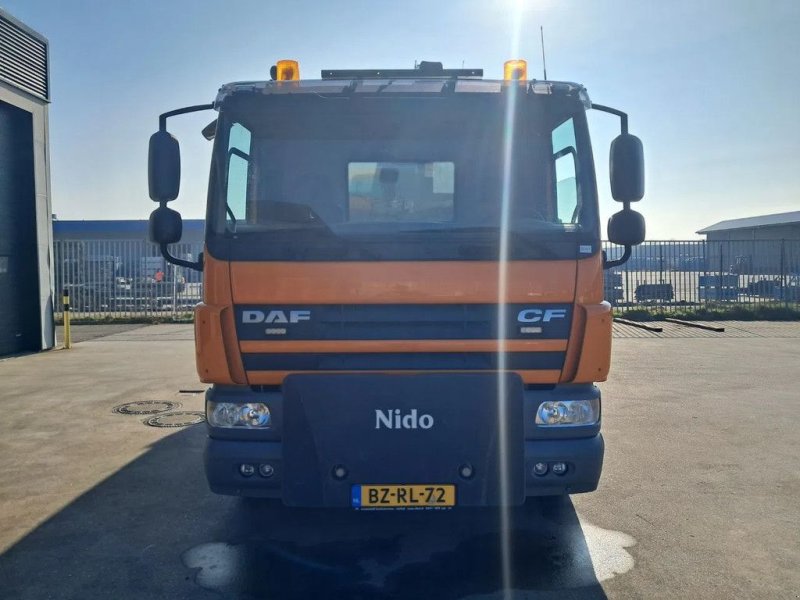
166,226
164,167
626,228
626,165
210,131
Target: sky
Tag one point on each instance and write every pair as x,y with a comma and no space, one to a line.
711,87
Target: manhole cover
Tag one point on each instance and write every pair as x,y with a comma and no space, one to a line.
146,407
181,418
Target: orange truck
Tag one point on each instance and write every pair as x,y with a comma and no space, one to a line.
403,285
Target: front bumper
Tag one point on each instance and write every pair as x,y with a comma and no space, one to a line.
581,448
583,456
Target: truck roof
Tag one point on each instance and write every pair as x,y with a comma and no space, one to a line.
402,85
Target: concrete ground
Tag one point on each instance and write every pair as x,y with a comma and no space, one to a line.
699,496
83,333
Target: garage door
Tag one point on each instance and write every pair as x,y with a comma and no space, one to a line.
19,279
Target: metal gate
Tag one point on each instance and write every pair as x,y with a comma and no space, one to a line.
126,279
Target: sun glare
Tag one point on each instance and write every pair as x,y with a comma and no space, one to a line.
502,309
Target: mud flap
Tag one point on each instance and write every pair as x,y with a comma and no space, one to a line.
401,429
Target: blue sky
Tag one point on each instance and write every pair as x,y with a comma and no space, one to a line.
712,88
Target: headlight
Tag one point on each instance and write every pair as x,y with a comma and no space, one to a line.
253,415
568,412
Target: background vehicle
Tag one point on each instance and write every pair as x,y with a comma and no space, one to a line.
403,300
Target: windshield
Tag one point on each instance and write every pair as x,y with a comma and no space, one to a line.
401,179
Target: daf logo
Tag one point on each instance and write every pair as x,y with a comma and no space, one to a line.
538,315
275,316
394,419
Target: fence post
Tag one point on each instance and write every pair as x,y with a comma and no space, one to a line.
784,295
628,300
67,331
719,278
704,298
174,292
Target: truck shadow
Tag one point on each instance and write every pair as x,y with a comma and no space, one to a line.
445,555
153,530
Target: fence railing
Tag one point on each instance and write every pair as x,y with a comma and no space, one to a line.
126,278
673,275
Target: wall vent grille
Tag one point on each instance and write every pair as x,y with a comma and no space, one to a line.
23,58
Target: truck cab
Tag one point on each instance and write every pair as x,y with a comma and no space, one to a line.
403,286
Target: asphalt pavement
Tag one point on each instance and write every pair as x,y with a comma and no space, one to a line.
698,499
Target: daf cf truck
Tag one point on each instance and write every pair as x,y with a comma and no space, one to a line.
403,285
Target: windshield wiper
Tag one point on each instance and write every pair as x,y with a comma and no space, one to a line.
482,228
301,217
515,237
294,213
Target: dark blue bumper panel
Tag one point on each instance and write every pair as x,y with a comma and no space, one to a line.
583,456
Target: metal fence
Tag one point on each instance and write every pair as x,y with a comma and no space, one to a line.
673,275
126,278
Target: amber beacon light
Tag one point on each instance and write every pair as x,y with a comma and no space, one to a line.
287,70
515,70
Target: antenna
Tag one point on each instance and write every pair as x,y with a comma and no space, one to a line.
544,64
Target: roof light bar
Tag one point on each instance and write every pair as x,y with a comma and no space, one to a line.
398,73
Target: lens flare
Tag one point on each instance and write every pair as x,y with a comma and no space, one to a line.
502,310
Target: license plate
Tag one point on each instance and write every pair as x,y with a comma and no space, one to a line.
404,496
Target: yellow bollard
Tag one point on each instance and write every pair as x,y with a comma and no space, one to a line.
67,333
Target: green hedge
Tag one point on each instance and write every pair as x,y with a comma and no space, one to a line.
714,312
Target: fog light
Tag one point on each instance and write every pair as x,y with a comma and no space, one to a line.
568,412
339,472
246,470
466,471
559,468
540,469
266,470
